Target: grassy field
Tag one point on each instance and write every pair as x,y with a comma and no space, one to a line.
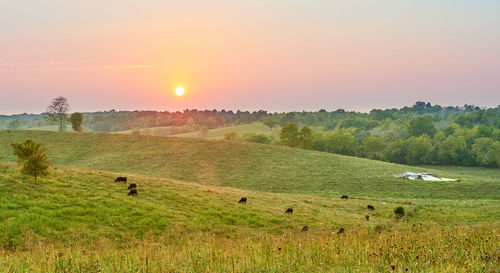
186,217
249,166
218,133
153,131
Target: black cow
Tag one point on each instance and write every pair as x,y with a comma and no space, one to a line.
341,230
370,207
367,217
132,186
344,197
289,211
243,200
132,192
305,228
121,179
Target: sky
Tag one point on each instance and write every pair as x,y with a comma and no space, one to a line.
275,55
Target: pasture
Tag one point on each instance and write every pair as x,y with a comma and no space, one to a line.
186,216
253,128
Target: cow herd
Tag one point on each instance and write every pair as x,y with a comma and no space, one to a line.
132,187
289,211
133,191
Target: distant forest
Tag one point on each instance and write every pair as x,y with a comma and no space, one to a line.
420,134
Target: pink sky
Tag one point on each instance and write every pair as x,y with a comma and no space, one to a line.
273,55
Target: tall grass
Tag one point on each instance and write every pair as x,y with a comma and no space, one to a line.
409,248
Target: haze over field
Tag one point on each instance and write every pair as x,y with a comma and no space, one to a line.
248,55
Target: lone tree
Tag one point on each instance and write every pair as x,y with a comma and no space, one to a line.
33,158
57,110
270,121
289,135
76,120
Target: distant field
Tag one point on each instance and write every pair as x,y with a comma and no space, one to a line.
218,133
153,131
250,166
186,217
53,128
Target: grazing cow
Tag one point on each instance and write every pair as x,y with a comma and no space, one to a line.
344,197
121,179
243,200
341,230
132,186
305,228
289,211
370,207
132,192
367,217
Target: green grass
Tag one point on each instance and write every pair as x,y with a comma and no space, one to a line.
250,166
218,133
186,217
76,216
53,128
153,131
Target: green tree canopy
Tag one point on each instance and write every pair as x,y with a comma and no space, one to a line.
373,146
480,150
259,138
289,135
420,150
270,121
33,158
341,143
15,124
396,151
421,125
306,140
76,120
452,150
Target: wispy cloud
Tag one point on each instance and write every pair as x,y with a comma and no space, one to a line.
87,65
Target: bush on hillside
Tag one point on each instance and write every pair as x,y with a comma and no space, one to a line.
233,136
400,212
33,157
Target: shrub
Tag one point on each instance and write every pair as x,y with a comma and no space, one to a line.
231,136
260,138
33,157
400,212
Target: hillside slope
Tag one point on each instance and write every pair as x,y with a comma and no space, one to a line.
218,133
247,166
81,205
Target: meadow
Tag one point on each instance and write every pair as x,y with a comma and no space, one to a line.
186,217
252,128
217,133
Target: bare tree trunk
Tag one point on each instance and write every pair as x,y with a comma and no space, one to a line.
60,124
35,180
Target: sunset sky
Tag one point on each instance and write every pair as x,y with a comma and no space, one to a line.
276,55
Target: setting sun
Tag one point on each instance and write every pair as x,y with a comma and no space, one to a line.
179,91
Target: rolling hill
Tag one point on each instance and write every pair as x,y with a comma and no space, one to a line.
218,133
254,128
186,217
247,166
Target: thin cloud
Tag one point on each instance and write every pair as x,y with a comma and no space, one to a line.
66,66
